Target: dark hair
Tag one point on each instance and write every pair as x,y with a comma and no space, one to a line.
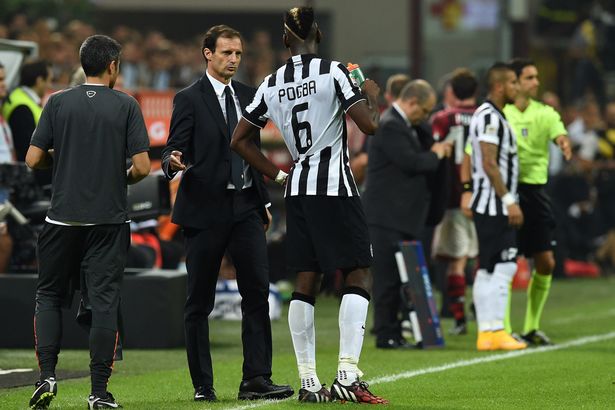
299,20
97,52
215,32
518,64
463,83
32,70
496,72
396,83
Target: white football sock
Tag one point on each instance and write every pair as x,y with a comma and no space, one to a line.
352,316
503,274
480,294
301,324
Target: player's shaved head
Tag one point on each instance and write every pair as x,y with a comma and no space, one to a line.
497,74
419,89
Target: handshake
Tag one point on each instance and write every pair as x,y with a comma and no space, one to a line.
442,149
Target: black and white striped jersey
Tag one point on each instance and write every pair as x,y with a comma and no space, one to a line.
306,99
489,125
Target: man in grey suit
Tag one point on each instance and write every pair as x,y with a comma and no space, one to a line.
396,198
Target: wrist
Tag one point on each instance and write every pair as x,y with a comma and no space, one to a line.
281,177
508,199
466,186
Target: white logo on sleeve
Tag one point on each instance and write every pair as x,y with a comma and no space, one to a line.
90,93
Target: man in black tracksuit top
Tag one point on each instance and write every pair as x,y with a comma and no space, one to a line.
86,133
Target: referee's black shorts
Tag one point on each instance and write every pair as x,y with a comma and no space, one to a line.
497,241
325,233
93,257
538,231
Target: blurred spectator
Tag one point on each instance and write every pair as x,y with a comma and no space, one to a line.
583,130
7,154
552,99
587,47
22,109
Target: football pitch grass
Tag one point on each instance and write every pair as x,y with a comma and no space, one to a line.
578,372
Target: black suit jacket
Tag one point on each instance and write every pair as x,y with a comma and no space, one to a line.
199,131
396,193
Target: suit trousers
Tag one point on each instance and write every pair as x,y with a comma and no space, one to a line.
244,238
386,297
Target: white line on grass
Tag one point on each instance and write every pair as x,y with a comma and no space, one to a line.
578,317
493,358
460,363
9,371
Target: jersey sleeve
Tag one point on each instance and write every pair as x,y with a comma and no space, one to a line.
347,93
43,133
488,129
257,113
438,127
556,126
137,139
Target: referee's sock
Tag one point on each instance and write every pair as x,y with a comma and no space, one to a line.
102,349
47,336
537,293
301,325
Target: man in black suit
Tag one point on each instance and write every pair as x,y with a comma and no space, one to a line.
396,198
221,204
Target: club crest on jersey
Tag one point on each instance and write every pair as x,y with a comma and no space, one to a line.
524,132
90,93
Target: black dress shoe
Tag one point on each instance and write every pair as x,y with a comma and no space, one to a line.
394,343
262,387
205,393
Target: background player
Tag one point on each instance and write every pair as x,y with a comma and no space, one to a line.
455,237
326,230
496,212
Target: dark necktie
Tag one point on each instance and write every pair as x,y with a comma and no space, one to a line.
231,121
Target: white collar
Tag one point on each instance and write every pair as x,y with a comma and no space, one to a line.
219,86
94,84
32,94
402,113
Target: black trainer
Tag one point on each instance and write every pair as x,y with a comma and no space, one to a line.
357,392
106,402
537,338
321,396
45,391
263,388
459,329
205,393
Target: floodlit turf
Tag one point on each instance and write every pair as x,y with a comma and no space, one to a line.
577,373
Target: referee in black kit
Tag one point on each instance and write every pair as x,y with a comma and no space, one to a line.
86,133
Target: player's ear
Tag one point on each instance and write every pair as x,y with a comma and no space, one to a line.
207,54
285,40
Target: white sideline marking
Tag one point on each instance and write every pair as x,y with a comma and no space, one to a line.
493,358
461,363
9,371
579,317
